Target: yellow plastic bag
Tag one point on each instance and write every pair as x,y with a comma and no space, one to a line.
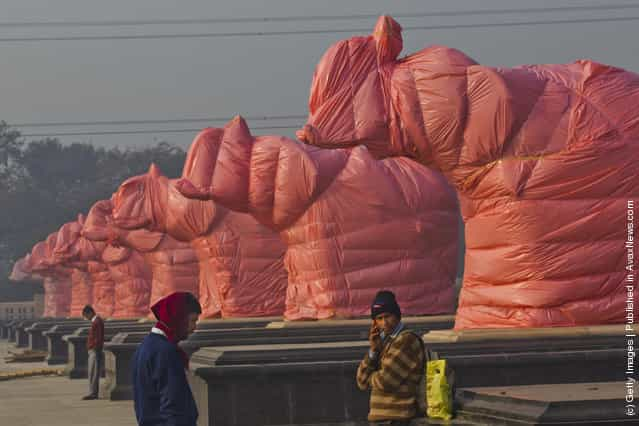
439,395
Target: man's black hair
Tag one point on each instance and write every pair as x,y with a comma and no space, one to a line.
88,310
192,305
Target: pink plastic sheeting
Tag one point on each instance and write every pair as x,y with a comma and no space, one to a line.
133,281
173,264
57,303
65,253
57,282
81,292
127,270
21,270
544,159
241,262
353,225
73,251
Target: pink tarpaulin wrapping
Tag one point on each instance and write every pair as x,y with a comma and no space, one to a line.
57,302
352,225
57,287
173,264
73,251
127,270
543,157
21,270
241,262
132,278
65,253
57,279
81,291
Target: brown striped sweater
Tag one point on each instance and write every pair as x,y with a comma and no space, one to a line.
393,378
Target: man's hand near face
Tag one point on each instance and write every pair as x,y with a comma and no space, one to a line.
374,338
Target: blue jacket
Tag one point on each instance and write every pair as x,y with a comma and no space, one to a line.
160,389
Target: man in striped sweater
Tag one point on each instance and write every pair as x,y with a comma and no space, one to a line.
393,366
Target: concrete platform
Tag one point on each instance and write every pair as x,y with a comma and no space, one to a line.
576,403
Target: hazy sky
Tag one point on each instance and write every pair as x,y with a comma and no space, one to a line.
162,79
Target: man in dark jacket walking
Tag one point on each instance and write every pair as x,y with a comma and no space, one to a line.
95,344
160,388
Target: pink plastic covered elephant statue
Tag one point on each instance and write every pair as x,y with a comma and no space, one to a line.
241,262
127,268
544,159
352,225
173,264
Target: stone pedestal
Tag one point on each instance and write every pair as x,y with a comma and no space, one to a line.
37,340
247,331
278,394
583,403
515,358
432,322
11,330
219,324
22,337
118,354
4,332
532,356
120,350
8,331
77,363
58,349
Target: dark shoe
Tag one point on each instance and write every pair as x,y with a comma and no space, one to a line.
89,397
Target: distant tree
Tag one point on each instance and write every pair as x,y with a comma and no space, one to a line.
10,155
44,184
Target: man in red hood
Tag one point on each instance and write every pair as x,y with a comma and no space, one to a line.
161,392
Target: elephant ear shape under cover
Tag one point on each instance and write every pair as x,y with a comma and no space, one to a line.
140,201
98,220
67,237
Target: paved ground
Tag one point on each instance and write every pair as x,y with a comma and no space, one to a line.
5,348
54,401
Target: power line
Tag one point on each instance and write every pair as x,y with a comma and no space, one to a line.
307,32
157,121
139,132
313,18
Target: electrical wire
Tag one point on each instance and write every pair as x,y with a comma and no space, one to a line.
306,32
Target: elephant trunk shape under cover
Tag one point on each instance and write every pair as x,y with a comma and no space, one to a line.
352,225
241,271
